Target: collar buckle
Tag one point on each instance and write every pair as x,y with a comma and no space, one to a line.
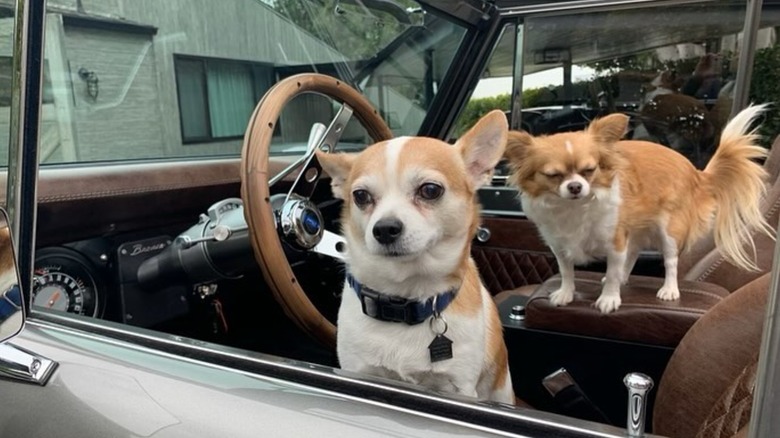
389,308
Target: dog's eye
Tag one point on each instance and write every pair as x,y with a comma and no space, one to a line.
430,191
362,197
553,175
588,171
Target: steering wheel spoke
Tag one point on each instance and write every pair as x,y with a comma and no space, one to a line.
331,245
310,174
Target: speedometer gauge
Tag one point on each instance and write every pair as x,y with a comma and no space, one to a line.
59,291
64,282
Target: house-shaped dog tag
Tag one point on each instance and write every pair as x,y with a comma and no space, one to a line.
440,348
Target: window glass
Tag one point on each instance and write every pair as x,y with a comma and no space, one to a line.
494,89
6,65
672,69
403,82
193,100
145,79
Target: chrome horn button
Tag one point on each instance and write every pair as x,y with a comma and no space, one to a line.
301,223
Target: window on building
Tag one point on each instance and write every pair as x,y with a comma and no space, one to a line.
217,97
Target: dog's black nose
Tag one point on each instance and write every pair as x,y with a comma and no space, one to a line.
387,231
574,188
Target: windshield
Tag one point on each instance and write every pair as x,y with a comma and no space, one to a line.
150,79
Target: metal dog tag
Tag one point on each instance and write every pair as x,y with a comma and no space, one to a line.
440,348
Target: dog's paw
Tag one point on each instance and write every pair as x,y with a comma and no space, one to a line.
608,303
667,293
561,297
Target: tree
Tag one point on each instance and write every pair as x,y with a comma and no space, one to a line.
352,30
765,87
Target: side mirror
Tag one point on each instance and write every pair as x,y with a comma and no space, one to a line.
11,306
15,362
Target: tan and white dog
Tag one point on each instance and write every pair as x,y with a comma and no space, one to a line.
413,307
594,196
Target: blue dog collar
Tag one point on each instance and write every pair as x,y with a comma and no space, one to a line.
391,308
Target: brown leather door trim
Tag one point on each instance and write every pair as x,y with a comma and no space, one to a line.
88,181
86,200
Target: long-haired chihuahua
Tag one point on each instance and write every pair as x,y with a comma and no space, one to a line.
593,196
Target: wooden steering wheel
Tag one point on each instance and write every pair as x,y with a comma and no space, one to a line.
294,220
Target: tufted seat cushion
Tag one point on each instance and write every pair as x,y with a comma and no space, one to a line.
731,412
712,368
641,318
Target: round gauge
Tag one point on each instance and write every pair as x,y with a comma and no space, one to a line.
64,282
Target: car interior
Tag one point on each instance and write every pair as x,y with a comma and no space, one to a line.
198,243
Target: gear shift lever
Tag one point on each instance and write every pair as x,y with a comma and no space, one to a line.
638,385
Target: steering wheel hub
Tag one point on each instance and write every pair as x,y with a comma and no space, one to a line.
301,223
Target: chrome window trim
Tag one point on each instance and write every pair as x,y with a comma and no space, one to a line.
746,56
388,393
21,187
516,105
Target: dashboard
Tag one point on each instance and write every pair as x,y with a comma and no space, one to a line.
146,279
98,278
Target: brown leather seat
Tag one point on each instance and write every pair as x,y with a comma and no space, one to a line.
705,263
706,390
642,317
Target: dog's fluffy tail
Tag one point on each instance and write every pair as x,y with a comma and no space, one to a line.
738,184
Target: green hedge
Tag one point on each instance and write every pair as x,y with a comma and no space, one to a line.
476,108
765,87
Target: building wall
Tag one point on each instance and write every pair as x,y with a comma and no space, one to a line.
136,113
126,119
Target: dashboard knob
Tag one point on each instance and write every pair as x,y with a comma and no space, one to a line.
517,313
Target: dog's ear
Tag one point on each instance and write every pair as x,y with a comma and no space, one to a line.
338,167
483,145
608,130
517,145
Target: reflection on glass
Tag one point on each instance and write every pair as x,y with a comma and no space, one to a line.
11,309
139,79
671,68
304,111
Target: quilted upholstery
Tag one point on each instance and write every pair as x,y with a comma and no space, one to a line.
710,358
732,412
503,269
